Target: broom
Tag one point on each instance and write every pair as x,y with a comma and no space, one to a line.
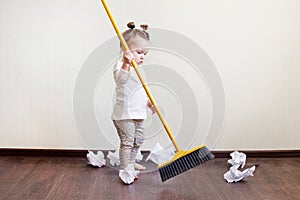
183,159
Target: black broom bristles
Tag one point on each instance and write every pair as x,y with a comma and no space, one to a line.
185,163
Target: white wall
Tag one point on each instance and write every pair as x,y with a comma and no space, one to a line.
254,45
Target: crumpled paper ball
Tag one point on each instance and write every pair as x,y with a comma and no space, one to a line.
139,156
96,160
129,174
159,155
234,175
237,160
113,158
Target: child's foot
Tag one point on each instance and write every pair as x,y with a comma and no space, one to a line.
138,166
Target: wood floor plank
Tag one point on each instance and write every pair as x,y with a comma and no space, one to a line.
278,178
79,182
36,181
12,171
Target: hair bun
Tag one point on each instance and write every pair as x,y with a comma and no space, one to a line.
131,25
144,26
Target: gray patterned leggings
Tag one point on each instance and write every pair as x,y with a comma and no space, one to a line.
131,133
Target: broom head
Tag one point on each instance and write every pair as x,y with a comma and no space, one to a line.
183,161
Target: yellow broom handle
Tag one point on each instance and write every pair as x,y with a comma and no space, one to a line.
135,66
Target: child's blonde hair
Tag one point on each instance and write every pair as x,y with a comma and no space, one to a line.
133,34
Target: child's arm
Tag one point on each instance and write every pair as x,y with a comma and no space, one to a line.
121,74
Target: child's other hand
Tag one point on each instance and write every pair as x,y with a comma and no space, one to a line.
151,107
127,57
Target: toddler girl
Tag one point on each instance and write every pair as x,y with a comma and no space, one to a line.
129,110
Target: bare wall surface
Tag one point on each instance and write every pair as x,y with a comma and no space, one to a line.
253,45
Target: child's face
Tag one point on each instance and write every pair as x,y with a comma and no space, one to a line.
139,55
139,50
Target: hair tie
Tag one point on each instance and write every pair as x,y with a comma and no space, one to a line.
144,26
131,25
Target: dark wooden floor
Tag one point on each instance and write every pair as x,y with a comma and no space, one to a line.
70,178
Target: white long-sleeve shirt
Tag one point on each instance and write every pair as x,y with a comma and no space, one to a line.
131,98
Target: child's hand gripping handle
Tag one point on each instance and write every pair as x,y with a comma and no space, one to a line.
135,66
